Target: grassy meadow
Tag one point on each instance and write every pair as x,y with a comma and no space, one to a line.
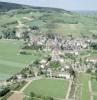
48,87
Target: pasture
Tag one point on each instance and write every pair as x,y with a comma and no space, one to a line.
48,87
10,61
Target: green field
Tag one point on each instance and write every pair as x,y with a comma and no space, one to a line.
94,85
95,98
10,61
85,87
47,87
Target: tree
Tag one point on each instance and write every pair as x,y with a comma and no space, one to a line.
36,62
96,71
49,58
0,36
55,64
50,35
94,36
96,65
34,27
9,33
96,75
93,45
26,36
89,70
4,91
32,94
72,72
47,98
24,75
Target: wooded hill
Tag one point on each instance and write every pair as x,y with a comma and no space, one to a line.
47,20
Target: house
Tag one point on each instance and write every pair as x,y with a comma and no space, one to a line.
58,74
36,71
49,72
43,61
64,75
55,54
19,77
61,60
94,60
42,66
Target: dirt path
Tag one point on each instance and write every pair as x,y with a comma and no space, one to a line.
16,96
94,93
19,95
90,90
26,86
29,82
27,18
69,88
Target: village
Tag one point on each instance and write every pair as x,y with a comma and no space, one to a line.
65,59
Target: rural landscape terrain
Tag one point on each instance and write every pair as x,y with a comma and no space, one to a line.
47,53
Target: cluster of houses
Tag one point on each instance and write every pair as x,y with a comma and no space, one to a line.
58,46
60,43
61,72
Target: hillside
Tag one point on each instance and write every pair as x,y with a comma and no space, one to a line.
5,6
9,6
47,20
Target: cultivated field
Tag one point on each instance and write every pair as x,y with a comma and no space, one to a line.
85,87
94,85
95,98
94,88
10,60
48,87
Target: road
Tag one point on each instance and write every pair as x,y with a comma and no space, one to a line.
19,95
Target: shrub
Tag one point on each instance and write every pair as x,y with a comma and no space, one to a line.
89,70
25,53
55,64
4,91
0,36
32,94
